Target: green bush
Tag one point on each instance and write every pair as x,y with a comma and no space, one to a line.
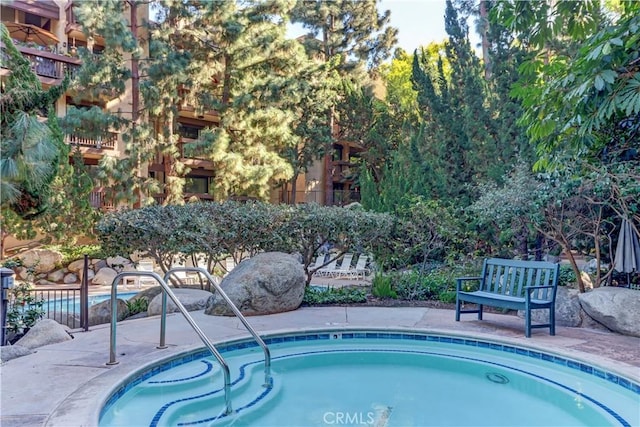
138,305
567,275
315,296
72,253
381,287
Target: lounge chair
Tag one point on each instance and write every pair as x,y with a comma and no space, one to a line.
345,267
145,265
361,268
328,270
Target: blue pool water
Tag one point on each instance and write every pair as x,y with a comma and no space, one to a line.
72,305
375,378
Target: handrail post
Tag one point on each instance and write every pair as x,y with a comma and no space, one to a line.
239,315
167,290
163,322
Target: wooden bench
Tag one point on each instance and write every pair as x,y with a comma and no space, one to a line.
512,284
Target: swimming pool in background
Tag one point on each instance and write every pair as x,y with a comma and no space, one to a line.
72,305
377,378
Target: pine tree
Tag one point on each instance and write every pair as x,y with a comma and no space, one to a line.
351,34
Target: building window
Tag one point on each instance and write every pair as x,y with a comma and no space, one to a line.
197,184
337,152
189,131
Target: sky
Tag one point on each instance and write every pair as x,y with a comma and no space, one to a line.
419,22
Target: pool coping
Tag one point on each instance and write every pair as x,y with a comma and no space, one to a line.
83,407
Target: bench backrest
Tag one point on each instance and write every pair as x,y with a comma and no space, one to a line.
510,277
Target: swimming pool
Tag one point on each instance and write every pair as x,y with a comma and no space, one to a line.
72,305
369,377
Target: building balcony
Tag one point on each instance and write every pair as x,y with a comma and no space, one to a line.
49,66
342,171
98,200
106,143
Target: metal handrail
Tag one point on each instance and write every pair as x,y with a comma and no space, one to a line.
185,313
261,343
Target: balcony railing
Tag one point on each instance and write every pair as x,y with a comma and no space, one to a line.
44,63
106,143
98,200
343,171
190,150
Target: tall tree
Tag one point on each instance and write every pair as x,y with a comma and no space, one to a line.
354,35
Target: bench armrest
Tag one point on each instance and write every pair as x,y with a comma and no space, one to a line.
459,281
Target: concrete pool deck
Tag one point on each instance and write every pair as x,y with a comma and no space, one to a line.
63,384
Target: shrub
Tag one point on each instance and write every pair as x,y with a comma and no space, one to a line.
567,275
24,307
314,296
72,253
381,287
138,305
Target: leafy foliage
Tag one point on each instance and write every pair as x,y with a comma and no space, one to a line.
316,296
381,286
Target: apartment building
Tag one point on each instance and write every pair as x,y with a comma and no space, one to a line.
47,34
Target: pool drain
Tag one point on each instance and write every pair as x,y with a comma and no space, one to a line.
494,377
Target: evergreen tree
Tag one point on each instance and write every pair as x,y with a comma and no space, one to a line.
351,34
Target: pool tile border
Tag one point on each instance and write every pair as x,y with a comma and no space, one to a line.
347,335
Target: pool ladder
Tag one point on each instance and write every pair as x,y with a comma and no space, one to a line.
163,321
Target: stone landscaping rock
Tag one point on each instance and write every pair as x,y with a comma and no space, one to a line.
101,313
90,275
44,282
97,264
267,283
192,299
70,278
147,294
76,266
104,277
41,260
56,276
22,273
616,308
568,310
44,332
117,262
9,352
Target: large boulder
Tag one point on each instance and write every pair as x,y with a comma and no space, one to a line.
44,332
101,313
8,352
77,266
191,299
568,310
41,260
271,282
616,308
56,276
104,277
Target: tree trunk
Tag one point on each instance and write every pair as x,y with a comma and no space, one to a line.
484,29
135,89
294,185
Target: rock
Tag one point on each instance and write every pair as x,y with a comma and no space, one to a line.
56,276
90,275
616,308
117,262
568,310
9,352
268,283
77,266
41,260
101,313
147,294
44,282
192,299
104,277
23,273
98,264
70,278
44,332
